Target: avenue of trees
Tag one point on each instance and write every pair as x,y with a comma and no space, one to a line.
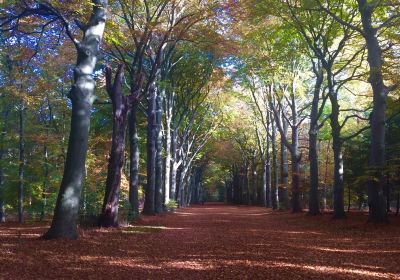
112,109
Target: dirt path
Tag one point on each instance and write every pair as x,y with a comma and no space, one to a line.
209,242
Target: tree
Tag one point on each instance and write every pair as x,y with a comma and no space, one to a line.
82,97
372,23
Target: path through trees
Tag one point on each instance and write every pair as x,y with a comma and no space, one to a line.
214,241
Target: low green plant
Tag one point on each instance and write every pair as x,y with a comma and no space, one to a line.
172,205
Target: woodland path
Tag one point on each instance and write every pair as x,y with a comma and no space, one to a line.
213,241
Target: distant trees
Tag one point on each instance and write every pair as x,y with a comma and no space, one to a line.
332,36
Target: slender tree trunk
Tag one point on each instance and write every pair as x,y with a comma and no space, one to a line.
168,159
349,199
268,167
377,162
247,184
159,164
388,193
134,161
296,158
284,167
296,206
175,165
268,181
338,184
313,202
2,208
109,213
21,171
254,180
46,162
264,194
45,181
325,204
182,185
149,203
82,96
275,186
2,168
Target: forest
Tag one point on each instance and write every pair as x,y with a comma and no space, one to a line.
211,139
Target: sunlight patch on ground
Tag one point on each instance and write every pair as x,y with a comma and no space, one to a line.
132,263
192,265
19,234
360,251
185,214
317,268
302,232
336,270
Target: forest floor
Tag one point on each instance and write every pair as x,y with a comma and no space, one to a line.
213,241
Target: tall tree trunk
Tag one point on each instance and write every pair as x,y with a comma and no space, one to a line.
296,205
275,186
254,179
247,183
21,171
264,194
82,96
149,203
167,176
175,165
2,168
46,162
159,164
296,158
109,213
325,204
284,166
338,184
268,167
376,195
268,179
45,181
134,156
313,202
182,185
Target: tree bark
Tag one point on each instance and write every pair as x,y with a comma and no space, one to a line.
159,164
296,158
5,114
268,180
338,184
264,199
167,177
46,162
253,171
284,167
247,183
313,202
134,156
275,186
149,203
268,166
296,206
109,214
82,96
175,165
21,171
377,162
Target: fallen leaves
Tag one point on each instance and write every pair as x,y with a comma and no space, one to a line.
214,241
